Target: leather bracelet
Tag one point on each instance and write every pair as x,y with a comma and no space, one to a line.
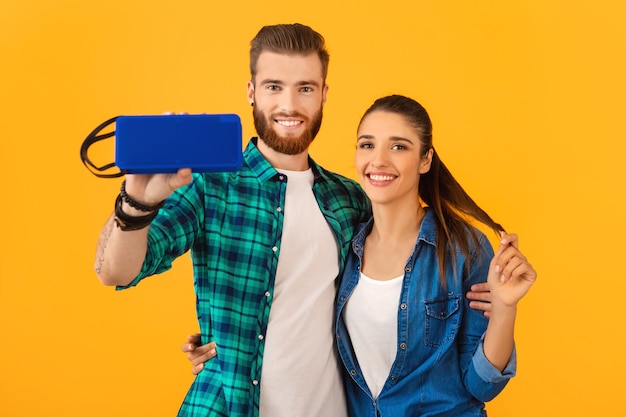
128,223
136,204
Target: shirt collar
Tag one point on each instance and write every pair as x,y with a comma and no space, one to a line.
427,233
264,171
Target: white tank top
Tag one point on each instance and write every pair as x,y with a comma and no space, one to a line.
371,316
301,375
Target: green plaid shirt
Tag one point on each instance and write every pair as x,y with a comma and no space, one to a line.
232,223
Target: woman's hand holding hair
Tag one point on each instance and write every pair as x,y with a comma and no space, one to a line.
510,273
510,277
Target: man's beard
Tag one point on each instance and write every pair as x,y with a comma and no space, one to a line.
287,145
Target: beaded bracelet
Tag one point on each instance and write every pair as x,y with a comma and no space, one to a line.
128,223
135,204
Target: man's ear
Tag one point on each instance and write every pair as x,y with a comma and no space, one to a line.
324,93
250,87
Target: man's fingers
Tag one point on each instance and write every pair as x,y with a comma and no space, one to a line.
479,292
478,305
182,177
480,287
479,296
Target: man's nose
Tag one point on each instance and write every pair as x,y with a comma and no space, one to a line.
288,101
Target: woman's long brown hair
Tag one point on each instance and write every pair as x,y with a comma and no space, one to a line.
438,189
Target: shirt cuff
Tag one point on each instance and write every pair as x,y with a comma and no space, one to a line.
490,373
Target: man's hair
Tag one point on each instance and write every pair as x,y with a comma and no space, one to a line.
290,39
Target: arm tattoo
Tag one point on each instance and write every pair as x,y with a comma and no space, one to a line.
102,244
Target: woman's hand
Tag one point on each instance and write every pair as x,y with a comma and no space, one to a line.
198,354
510,273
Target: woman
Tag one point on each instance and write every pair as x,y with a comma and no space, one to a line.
409,341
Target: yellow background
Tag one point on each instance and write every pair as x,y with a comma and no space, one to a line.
527,99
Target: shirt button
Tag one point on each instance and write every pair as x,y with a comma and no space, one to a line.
353,372
403,306
267,293
255,382
260,337
407,269
279,209
275,248
402,346
281,177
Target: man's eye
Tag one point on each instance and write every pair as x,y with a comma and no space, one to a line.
272,87
306,89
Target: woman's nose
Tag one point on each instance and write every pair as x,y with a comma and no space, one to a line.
380,158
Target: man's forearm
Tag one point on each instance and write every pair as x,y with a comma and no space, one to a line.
120,254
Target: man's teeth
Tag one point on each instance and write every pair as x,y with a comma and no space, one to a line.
381,177
288,123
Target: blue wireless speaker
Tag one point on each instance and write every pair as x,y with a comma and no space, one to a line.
163,144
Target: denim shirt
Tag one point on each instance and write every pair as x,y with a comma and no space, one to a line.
440,368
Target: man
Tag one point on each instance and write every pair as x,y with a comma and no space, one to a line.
267,244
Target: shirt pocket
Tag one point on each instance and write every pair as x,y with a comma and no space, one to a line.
442,320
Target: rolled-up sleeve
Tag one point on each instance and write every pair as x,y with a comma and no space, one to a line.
484,380
489,373
173,231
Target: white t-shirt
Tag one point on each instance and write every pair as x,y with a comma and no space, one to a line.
301,375
371,316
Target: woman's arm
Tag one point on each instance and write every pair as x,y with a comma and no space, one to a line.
510,277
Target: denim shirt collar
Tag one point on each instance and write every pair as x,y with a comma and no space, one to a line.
427,233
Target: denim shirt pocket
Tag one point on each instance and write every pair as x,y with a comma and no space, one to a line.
442,320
